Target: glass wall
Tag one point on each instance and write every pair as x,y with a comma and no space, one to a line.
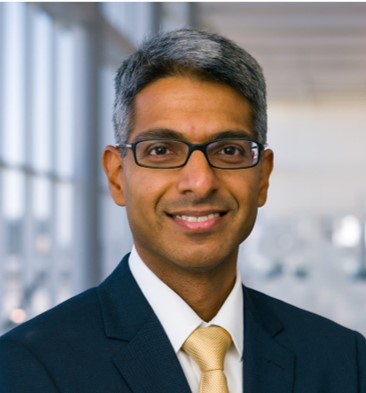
36,152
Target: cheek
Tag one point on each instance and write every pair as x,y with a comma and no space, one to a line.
143,190
244,188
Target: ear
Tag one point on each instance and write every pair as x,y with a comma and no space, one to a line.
113,167
266,166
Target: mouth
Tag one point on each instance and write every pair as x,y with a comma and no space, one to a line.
198,221
202,218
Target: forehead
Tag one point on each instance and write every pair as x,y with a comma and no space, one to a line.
196,109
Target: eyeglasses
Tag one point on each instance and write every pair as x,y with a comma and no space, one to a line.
171,153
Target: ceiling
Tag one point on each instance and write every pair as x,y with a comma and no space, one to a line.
308,51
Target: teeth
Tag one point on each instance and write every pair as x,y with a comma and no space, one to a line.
198,219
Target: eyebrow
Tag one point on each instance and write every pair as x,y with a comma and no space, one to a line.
232,134
165,133
159,133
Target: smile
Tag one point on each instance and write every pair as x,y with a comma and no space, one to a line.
199,218
198,222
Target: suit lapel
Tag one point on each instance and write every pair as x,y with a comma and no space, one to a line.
267,365
149,363
145,359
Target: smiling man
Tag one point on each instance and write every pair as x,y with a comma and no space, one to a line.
191,167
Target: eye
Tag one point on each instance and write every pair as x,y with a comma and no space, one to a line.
231,150
155,148
158,150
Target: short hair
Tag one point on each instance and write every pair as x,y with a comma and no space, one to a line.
194,53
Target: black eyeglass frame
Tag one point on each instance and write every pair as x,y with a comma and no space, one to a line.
191,148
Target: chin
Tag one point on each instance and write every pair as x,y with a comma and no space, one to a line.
202,261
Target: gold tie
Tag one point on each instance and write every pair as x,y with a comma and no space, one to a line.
208,347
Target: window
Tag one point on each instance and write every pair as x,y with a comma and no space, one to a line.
36,156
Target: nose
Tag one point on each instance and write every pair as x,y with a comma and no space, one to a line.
197,176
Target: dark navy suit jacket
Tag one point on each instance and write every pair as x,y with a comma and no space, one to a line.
108,340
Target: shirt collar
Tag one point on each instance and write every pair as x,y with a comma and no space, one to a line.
166,303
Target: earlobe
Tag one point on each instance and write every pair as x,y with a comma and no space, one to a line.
113,165
265,173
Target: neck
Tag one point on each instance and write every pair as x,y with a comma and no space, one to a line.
205,292
203,286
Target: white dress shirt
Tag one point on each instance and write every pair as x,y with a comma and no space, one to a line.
179,321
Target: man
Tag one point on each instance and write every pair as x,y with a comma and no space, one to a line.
191,168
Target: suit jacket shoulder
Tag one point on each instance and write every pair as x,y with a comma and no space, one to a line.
303,351
106,339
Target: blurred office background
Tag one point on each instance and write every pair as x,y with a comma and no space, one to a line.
59,230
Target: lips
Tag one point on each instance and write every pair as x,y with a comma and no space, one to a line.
202,218
198,221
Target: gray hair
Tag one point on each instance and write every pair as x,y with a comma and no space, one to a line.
206,56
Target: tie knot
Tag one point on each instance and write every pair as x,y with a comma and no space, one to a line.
208,347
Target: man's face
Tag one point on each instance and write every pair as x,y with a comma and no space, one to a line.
194,217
